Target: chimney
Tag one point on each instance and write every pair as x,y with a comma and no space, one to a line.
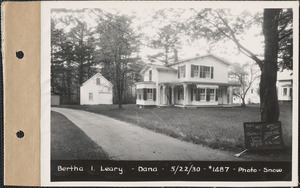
175,55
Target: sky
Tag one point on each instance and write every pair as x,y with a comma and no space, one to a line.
144,23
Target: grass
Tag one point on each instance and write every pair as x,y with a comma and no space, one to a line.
219,128
68,142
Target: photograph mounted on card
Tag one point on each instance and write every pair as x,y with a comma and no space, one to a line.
161,93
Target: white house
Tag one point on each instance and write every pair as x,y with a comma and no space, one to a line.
252,95
96,90
198,81
285,86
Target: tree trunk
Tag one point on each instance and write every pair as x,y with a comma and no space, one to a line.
268,94
243,102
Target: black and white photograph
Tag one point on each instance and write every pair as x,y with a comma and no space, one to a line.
166,91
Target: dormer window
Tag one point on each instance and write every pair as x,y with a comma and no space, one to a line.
97,81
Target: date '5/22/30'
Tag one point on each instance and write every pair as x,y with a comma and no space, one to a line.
185,169
195,169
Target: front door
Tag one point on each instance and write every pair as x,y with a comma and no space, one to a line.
222,98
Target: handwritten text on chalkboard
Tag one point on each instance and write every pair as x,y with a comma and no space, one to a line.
263,136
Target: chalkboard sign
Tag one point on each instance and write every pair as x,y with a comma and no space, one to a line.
263,136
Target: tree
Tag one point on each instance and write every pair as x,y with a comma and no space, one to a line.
220,24
84,47
244,74
118,45
167,40
62,65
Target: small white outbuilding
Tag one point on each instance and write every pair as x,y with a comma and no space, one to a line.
96,90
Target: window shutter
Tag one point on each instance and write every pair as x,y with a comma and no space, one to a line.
207,94
212,72
217,93
192,71
145,94
201,72
192,93
178,93
154,94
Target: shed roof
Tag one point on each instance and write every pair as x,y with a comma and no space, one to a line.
97,74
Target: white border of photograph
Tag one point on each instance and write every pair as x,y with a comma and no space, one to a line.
45,85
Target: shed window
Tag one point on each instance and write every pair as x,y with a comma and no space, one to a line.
90,96
284,92
97,81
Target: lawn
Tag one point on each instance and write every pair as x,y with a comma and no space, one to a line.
71,143
220,128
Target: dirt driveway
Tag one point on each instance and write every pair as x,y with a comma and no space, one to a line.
125,141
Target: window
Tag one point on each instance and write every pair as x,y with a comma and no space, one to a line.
211,94
181,71
97,81
291,92
202,94
90,96
149,94
150,75
194,71
284,92
206,72
251,90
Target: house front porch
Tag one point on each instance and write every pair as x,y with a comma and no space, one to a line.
191,95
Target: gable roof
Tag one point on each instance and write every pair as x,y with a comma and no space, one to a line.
201,57
157,67
96,75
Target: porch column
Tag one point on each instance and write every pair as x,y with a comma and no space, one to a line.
173,93
215,91
185,95
164,94
230,94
